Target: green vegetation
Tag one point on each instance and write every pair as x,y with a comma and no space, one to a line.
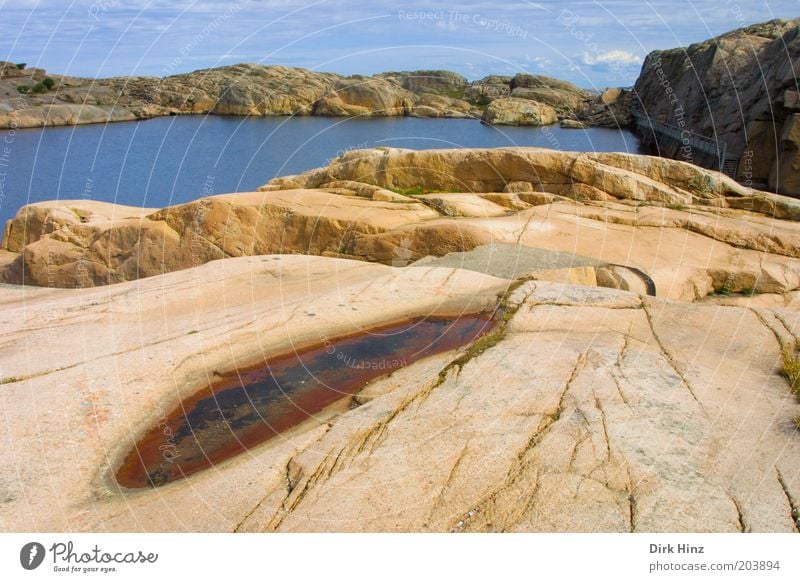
506,311
791,368
678,207
21,66
415,191
43,87
481,102
457,93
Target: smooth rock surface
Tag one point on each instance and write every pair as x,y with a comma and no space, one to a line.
596,410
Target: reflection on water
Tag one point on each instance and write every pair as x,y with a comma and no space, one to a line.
171,160
251,406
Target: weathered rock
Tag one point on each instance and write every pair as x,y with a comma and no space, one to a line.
261,90
692,231
78,244
786,169
732,88
572,124
489,88
444,83
625,176
365,96
595,410
563,96
8,69
431,105
612,108
515,111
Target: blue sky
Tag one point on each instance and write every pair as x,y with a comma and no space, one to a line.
592,43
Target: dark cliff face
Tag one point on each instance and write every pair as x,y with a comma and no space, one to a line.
740,88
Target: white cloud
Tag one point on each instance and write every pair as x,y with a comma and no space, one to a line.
541,62
613,57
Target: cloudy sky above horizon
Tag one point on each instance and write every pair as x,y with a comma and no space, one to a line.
591,43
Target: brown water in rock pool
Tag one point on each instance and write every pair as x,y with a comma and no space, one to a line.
247,407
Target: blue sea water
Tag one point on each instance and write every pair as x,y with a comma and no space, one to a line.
170,160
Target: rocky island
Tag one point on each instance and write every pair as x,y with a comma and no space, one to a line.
30,97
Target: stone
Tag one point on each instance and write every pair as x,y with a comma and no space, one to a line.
693,232
741,80
515,111
572,124
445,83
593,410
785,173
365,96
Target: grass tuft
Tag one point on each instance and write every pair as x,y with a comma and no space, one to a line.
415,191
790,368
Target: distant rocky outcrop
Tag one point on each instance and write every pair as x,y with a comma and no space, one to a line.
365,96
562,96
259,90
439,82
611,108
492,87
740,88
516,111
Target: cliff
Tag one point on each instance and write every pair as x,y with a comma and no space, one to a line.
739,88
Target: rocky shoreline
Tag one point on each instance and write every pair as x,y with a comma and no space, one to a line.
637,379
259,90
594,407
739,90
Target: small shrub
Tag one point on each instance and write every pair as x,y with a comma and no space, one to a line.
39,88
48,82
415,191
681,207
791,368
456,93
21,66
23,88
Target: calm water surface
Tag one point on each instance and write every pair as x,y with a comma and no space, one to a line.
247,407
171,160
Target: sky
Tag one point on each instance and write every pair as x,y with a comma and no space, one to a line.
594,44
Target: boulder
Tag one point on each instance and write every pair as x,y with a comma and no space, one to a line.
515,111
572,124
365,96
432,105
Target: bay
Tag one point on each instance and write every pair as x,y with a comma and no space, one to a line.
171,160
